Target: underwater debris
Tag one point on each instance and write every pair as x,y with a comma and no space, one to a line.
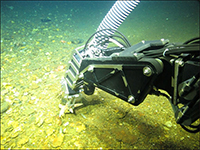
67,109
46,20
77,41
10,7
60,68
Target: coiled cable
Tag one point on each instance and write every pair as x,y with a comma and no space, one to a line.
117,14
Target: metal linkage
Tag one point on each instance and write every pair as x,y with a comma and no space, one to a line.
178,63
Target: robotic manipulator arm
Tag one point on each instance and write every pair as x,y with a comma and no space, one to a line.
132,72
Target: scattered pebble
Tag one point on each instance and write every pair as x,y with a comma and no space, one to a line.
66,123
39,121
23,141
4,106
168,124
49,131
58,140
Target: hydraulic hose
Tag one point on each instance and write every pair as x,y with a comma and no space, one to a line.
117,14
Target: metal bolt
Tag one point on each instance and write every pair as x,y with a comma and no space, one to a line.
181,63
91,69
131,99
147,71
81,76
171,61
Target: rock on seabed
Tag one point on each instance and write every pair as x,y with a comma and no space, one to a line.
58,140
4,107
